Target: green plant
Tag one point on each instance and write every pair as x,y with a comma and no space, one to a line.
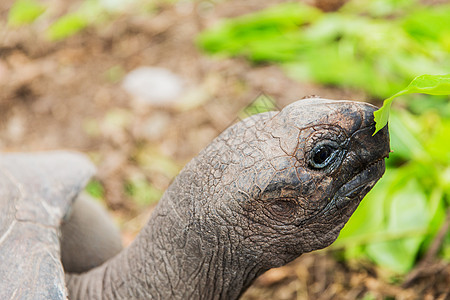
425,84
24,12
353,48
87,13
95,189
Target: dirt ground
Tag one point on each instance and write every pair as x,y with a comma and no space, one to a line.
68,95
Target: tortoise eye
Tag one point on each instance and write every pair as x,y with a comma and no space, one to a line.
322,155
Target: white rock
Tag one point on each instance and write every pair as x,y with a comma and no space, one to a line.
151,85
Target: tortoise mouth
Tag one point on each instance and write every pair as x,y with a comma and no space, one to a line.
356,188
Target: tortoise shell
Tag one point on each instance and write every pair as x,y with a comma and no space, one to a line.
36,192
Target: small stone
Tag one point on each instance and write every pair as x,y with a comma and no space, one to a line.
154,86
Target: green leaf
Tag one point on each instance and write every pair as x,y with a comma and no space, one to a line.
66,26
425,84
24,12
430,84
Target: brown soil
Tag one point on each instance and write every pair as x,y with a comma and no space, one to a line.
68,95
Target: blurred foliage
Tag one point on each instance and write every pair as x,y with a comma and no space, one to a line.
77,18
356,47
24,12
142,192
152,160
152,163
379,47
95,189
66,26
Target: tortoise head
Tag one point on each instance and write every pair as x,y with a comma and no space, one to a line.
288,182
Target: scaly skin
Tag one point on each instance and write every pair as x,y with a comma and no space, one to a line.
257,197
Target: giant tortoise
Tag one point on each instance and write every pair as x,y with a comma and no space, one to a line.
266,190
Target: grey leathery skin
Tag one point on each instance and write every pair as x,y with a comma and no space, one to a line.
89,236
268,189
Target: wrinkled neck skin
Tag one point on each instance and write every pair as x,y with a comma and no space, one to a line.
176,256
191,247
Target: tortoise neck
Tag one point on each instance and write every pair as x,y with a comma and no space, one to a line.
173,257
